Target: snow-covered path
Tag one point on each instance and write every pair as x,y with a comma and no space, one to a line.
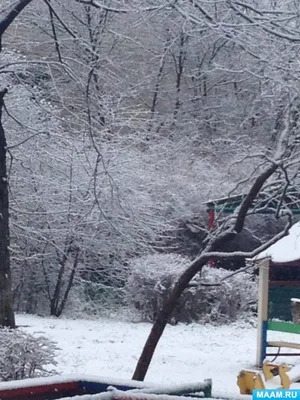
186,353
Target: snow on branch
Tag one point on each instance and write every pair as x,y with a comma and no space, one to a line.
12,15
102,6
23,355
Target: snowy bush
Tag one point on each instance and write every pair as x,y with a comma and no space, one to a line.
153,277
150,282
23,355
235,296
92,299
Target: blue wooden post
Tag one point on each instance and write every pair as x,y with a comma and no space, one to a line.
264,341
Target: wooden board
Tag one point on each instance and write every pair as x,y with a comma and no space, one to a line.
284,327
284,344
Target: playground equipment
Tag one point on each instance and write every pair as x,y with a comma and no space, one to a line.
248,380
272,376
61,387
284,254
265,325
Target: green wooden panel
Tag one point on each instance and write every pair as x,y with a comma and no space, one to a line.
283,327
280,301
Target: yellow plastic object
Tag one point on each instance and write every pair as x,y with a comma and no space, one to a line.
270,370
249,380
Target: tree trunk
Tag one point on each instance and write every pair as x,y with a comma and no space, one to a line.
163,318
6,300
7,317
11,16
195,267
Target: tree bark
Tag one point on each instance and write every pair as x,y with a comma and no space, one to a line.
11,16
7,317
195,267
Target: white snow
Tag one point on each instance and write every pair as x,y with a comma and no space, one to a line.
294,373
185,354
286,249
295,300
173,388
118,394
56,379
101,396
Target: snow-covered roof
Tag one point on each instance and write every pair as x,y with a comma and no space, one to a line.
286,250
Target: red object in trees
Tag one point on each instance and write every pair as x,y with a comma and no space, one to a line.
211,224
211,219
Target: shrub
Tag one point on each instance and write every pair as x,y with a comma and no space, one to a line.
23,355
152,278
93,299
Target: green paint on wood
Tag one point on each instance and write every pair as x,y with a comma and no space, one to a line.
283,327
280,301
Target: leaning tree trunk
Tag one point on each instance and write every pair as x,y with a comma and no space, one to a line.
195,267
7,317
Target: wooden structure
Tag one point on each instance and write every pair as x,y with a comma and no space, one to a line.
262,204
60,387
249,380
284,253
296,310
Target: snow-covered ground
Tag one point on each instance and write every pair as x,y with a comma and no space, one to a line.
186,353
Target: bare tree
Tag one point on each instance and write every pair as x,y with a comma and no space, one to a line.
281,160
11,15
117,80
6,301
6,305
241,29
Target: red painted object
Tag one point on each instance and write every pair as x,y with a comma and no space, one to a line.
49,391
211,219
211,224
58,387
